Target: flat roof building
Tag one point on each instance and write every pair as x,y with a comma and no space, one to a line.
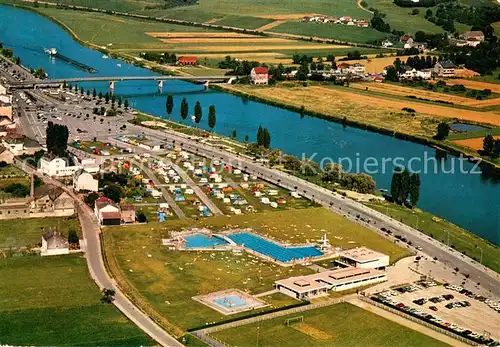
311,286
363,257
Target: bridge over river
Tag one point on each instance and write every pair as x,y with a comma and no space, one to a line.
114,79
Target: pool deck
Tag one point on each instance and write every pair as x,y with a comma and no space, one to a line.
251,302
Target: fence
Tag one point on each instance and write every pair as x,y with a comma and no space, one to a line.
417,320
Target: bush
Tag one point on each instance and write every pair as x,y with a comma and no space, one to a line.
141,217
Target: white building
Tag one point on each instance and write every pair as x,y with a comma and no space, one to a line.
19,145
3,90
318,284
444,68
56,167
363,257
259,75
53,243
83,180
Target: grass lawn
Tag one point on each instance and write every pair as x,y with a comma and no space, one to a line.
16,233
52,301
246,22
11,171
164,281
463,241
338,325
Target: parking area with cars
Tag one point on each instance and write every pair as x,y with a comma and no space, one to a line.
447,306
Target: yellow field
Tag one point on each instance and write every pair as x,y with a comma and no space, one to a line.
263,57
223,40
475,84
271,25
392,89
252,48
197,34
475,143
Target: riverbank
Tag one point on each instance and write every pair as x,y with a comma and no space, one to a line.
387,121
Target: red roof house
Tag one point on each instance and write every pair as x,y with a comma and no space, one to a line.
260,75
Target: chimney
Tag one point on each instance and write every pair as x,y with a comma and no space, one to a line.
32,190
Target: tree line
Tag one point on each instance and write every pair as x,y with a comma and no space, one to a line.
491,146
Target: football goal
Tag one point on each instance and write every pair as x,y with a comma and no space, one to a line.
294,320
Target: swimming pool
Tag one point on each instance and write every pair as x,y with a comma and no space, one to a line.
230,301
274,250
202,241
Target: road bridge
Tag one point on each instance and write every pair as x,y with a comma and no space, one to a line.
114,79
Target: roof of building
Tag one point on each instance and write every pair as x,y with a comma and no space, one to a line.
261,70
103,202
327,279
186,58
55,240
362,254
111,215
127,207
447,64
48,189
471,34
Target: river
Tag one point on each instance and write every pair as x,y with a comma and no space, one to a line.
467,200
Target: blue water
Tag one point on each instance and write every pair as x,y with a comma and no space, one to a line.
468,200
272,249
230,301
201,240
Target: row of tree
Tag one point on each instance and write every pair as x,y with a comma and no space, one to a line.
263,137
405,186
491,146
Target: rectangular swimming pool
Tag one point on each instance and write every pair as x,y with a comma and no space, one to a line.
274,250
230,301
203,241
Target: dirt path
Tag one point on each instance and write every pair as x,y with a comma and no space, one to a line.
361,7
405,322
271,25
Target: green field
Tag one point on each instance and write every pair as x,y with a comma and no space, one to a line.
101,29
163,281
11,171
246,22
331,31
473,134
16,233
462,240
338,325
52,301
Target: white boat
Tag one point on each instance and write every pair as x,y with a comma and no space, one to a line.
51,51
105,56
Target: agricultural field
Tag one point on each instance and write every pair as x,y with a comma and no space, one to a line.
384,112
475,84
163,281
332,31
462,240
419,92
341,324
18,233
474,143
52,301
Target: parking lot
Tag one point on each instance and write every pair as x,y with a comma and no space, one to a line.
478,317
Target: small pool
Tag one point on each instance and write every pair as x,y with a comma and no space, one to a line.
465,128
230,301
274,250
202,241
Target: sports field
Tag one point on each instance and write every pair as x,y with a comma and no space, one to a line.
337,325
52,301
17,233
163,281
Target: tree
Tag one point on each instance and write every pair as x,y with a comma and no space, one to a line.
73,238
443,131
212,119
113,192
302,111
100,95
57,139
496,149
488,144
113,99
405,186
233,135
396,185
88,93
40,73
266,137
414,189
120,101
392,74
17,190
246,138
141,217
108,296
94,93
125,104
260,138
169,105
106,97
197,112
303,72
184,109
